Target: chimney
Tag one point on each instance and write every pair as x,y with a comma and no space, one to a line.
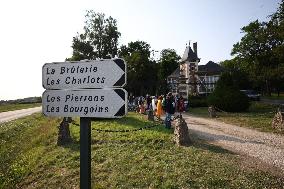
195,48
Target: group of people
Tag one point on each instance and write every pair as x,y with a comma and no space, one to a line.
165,104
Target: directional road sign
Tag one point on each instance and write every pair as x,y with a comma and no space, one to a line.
106,73
103,103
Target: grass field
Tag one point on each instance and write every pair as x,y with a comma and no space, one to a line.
11,107
259,116
30,158
274,96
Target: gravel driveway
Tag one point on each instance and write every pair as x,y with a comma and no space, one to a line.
267,147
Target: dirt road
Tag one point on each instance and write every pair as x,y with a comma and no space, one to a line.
266,147
11,115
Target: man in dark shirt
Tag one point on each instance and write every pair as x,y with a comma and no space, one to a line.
148,101
170,110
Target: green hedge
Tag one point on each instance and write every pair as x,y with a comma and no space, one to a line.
197,101
227,96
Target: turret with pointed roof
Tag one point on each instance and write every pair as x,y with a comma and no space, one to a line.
189,55
191,78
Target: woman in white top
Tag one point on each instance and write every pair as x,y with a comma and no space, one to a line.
154,107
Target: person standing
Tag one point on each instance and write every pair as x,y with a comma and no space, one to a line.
148,101
170,109
159,107
164,102
131,99
181,104
153,104
141,105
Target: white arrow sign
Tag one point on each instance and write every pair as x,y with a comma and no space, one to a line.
85,103
84,74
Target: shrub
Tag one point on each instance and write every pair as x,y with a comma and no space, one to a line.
227,96
197,101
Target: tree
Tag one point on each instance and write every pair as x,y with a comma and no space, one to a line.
99,39
167,64
227,96
136,46
239,75
276,33
260,51
141,71
252,53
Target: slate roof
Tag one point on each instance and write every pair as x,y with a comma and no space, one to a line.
210,67
189,55
176,73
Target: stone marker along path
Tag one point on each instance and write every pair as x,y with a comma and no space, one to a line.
11,115
267,147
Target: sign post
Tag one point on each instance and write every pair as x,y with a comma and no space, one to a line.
85,153
86,89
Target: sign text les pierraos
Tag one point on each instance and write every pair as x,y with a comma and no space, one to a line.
104,103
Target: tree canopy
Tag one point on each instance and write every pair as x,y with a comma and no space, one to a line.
141,70
239,76
168,63
260,51
227,96
99,39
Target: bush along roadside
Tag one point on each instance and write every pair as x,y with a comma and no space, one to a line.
227,96
197,101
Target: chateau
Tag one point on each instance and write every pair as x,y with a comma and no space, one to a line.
193,79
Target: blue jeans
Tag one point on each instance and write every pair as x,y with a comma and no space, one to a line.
168,120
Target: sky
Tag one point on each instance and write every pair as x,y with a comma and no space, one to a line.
36,32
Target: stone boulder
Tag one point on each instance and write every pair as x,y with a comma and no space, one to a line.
64,131
278,120
181,135
212,112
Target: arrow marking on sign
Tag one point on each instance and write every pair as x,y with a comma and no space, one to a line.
121,111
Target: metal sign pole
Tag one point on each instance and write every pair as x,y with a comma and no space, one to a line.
85,153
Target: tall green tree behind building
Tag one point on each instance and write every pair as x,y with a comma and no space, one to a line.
260,51
141,70
167,64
